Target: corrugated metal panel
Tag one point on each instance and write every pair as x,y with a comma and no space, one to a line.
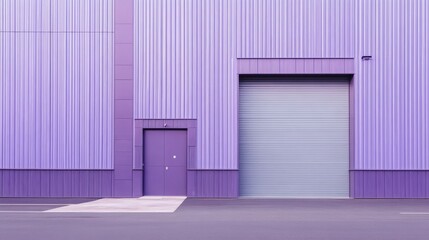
294,138
295,28
56,84
25,15
392,90
390,184
186,52
58,15
56,183
212,183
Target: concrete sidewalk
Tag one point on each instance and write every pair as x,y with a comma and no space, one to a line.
125,205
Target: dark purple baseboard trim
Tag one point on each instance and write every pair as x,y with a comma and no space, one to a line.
56,183
137,183
100,183
213,183
389,184
201,183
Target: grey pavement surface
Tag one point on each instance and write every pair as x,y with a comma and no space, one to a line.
225,219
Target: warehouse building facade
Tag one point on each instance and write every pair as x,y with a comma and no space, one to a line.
258,98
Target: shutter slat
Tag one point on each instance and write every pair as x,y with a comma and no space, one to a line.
294,138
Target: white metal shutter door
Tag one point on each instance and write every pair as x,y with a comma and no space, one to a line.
294,138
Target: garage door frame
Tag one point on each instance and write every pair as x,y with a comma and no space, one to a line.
283,81
286,67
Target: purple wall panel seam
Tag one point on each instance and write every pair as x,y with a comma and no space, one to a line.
123,99
268,66
293,58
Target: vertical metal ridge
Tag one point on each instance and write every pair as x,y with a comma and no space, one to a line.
183,62
390,115
56,86
217,33
391,103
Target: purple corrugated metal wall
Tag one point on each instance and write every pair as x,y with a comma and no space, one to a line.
390,184
391,91
295,29
56,84
212,183
186,53
57,103
59,183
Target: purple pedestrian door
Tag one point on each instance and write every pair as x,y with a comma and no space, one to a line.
165,162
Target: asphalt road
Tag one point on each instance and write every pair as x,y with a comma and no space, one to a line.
248,219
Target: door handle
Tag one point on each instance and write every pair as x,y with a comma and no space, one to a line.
166,168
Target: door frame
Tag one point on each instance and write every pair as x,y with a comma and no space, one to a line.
143,160
190,125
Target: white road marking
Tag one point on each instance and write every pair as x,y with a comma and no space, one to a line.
34,204
126,205
414,213
14,211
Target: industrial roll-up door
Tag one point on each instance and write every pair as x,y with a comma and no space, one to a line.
294,137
